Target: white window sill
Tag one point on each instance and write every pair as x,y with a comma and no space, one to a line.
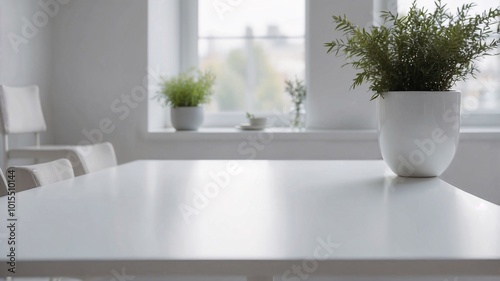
480,133
286,134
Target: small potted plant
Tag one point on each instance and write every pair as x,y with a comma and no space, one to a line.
185,94
256,122
297,91
411,63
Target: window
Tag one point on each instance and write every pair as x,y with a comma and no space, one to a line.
252,46
481,96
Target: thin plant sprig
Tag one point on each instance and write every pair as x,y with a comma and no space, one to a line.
420,51
297,90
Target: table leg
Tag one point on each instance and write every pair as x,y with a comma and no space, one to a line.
259,278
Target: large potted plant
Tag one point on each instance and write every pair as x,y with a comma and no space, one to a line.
185,94
411,63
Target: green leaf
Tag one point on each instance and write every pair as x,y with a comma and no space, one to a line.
190,88
422,50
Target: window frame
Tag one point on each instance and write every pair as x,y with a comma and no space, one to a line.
188,34
188,22
189,58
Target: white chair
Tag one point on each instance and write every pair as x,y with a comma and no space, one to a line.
3,185
31,176
21,112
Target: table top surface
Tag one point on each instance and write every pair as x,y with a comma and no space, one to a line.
251,210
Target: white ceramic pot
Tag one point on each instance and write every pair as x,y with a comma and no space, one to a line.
258,121
418,131
186,118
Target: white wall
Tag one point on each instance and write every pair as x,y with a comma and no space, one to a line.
335,105
163,52
101,58
476,167
25,56
100,62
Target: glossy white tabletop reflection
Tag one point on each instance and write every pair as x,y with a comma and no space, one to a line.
274,211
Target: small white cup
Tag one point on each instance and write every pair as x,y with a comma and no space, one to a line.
258,122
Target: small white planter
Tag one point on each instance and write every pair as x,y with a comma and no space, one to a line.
418,131
258,121
186,118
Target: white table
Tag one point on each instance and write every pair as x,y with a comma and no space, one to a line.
322,217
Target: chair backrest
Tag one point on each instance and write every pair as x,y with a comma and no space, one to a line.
27,177
92,158
3,184
21,110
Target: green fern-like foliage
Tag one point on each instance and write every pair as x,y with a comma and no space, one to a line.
190,88
420,51
297,90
